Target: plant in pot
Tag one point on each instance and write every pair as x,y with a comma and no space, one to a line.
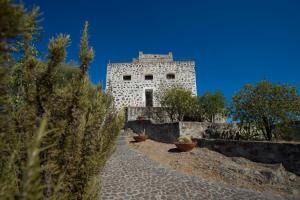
185,143
140,137
139,118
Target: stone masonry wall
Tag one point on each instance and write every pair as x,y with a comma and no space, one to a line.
266,152
193,129
155,114
132,92
166,133
159,115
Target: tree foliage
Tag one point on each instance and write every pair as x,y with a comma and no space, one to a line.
266,106
17,28
177,102
210,105
10,27
56,128
180,104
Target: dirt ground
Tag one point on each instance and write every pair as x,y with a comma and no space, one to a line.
215,167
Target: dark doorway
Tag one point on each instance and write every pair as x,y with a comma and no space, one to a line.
149,98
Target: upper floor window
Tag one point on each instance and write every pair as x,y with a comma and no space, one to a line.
170,76
149,77
126,77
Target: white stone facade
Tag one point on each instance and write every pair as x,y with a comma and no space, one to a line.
129,82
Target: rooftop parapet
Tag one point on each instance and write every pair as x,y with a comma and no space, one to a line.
154,57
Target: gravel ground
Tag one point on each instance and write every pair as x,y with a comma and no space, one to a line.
215,167
129,174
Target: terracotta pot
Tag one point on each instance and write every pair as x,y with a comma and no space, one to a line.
185,146
140,138
140,118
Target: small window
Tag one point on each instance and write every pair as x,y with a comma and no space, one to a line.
127,78
170,76
149,77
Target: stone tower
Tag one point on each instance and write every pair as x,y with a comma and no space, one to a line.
134,84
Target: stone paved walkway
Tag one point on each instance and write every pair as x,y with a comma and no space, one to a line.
130,175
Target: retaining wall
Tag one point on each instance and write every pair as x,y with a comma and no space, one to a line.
156,114
193,129
266,152
167,132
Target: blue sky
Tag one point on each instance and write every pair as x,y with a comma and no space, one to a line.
232,42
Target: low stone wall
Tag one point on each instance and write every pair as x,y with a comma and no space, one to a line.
193,129
167,133
159,115
266,152
156,114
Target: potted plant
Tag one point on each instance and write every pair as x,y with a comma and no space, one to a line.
185,143
140,118
140,137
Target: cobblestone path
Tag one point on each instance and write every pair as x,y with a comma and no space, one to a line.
130,175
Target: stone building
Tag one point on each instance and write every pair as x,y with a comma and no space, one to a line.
136,83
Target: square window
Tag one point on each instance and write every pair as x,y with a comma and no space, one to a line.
127,78
149,77
170,76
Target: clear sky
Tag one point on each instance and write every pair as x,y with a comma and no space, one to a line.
232,42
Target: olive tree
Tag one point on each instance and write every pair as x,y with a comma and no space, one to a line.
266,106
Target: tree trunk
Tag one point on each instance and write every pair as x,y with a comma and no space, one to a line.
268,128
268,134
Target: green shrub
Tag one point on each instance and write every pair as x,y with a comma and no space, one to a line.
82,122
184,139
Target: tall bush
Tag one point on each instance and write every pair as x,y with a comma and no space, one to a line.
82,122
